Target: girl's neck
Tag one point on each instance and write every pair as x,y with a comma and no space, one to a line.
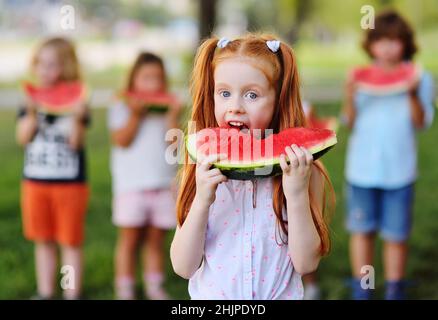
45,84
387,65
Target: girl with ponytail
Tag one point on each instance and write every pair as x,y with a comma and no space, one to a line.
249,239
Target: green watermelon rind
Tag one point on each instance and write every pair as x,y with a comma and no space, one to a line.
157,108
153,107
245,168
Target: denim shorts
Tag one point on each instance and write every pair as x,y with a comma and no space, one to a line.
388,211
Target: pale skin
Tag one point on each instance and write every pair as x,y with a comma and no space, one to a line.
387,54
149,77
48,70
244,95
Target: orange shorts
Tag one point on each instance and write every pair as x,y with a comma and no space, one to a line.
54,211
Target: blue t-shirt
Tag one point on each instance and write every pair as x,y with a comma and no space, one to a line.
382,149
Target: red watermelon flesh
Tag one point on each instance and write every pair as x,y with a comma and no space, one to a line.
377,81
330,123
156,101
58,99
246,152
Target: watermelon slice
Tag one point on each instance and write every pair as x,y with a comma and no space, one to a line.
59,99
330,123
158,102
250,157
376,81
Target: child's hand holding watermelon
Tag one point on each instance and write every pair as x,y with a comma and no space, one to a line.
173,115
28,125
80,111
175,107
413,86
31,106
296,174
207,179
137,106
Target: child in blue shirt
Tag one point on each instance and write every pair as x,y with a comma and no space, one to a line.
381,164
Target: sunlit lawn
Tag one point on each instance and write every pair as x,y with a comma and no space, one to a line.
16,254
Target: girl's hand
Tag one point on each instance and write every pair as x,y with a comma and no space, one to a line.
80,111
296,174
175,106
413,87
27,126
207,179
137,107
31,107
175,109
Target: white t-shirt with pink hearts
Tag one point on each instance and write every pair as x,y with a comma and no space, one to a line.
244,256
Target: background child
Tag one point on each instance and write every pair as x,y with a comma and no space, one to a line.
54,189
249,239
143,203
381,166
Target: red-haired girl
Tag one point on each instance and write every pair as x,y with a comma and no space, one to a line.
249,239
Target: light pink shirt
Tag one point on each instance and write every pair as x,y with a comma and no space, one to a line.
244,259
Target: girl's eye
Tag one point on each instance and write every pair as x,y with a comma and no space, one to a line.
251,95
225,94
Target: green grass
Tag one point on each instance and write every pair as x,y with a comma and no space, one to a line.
17,280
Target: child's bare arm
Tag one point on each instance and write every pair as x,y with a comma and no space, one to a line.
417,111
124,136
349,112
173,115
303,240
77,137
187,247
27,125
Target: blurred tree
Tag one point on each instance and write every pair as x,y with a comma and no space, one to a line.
97,8
148,13
386,2
261,15
207,17
284,17
106,13
292,15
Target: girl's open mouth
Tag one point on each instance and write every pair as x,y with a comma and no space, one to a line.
238,125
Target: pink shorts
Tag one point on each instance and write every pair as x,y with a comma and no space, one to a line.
147,207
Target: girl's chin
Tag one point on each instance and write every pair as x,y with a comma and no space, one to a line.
47,81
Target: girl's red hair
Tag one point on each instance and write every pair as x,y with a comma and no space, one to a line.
280,68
